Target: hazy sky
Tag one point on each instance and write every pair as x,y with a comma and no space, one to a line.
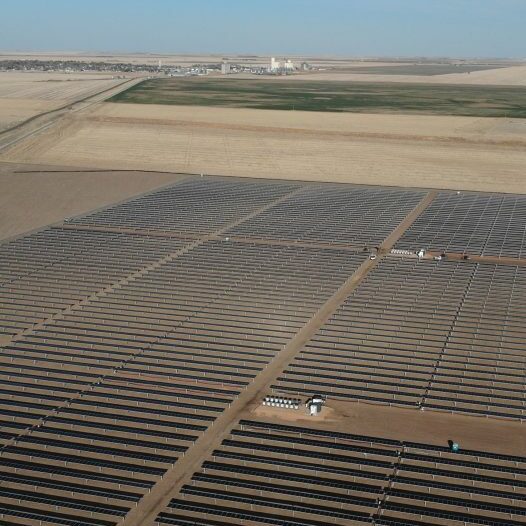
489,28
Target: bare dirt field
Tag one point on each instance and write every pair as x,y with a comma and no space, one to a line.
26,94
30,199
506,76
424,151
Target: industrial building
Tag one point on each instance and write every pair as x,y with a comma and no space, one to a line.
283,66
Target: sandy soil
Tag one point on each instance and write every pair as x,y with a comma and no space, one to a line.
32,200
424,151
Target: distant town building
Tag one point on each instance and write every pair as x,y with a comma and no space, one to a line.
285,66
225,68
274,64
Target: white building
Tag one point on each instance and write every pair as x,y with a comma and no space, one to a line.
225,68
314,405
285,65
274,64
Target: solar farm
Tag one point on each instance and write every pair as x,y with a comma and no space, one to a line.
138,341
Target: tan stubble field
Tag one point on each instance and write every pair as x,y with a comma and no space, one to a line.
465,153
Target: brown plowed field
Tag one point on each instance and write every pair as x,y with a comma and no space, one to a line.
31,199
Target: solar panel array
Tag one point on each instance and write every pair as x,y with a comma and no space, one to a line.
120,345
123,385
443,335
266,473
487,224
44,273
103,398
193,206
338,214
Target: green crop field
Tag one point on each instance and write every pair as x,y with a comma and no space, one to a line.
477,101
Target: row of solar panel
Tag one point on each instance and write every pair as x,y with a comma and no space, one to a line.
488,224
316,476
383,345
335,214
200,205
47,272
